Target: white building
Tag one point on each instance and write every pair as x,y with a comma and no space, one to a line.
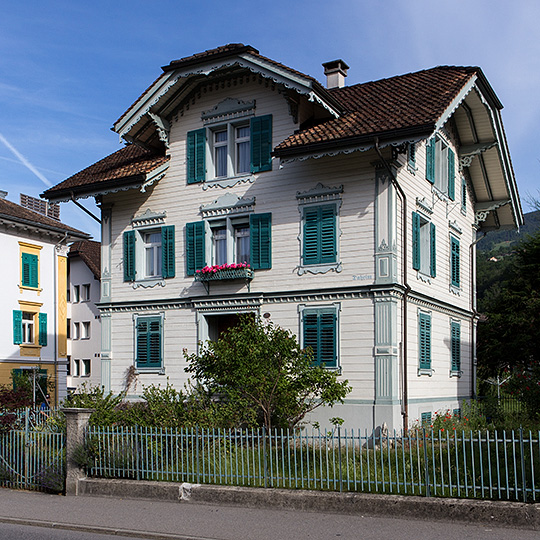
84,326
356,207
34,304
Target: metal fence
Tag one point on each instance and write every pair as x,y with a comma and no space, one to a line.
487,465
32,456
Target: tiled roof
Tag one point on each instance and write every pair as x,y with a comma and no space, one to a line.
128,162
231,49
90,252
13,212
398,104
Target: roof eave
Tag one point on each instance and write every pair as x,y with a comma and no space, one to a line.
71,234
95,189
350,142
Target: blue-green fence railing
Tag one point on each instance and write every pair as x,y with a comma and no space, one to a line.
469,464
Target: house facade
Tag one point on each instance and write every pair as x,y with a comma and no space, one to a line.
83,322
347,215
34,306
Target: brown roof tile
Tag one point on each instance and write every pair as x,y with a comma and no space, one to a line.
128,162
14,212
90,252
389,105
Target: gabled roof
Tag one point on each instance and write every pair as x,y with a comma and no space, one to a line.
404,105
90,252
128,167
16,214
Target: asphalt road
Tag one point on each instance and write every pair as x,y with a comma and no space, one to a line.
97,518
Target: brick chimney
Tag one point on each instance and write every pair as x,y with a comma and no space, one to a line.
335,72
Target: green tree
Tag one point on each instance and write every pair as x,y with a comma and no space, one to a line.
509,338
260,370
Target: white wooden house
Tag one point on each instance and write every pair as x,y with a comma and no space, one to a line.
356,208
83,323
34,304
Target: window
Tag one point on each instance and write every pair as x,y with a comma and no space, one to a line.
68,366
76,330
232,240
319,332
319,239
455,278
25,331
235,148
76,368
148,342
68,329
85,330
86,292
28,328
455,347
423,245
424,344
149,254
76,294
85,368
440,166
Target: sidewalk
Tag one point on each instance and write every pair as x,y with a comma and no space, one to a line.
187,512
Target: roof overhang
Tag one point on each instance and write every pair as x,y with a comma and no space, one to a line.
28,226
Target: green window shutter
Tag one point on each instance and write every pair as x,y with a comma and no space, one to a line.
17,327
261,143
455,347
433,250
260,238
129,256
412,156
16,375
320,333
430,161
319,245
416,240
196,156
29,265
148,340
424,345
328,251
327,338
451,174
195,248
454,262
463,194
425,419
43,329
167,252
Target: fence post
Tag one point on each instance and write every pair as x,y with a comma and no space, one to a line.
523,474
339,457
76,423
426,466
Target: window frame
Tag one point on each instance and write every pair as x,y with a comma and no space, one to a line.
424,246
76,331
76,294
85,297
320,311
441,166
30,266
85,330
86,366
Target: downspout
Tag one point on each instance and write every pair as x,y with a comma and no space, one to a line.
406,287
55,303
472,265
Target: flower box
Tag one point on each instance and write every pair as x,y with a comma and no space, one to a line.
228,273
224,272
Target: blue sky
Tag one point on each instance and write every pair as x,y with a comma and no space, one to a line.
69,69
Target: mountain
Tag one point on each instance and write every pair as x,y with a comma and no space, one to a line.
503,241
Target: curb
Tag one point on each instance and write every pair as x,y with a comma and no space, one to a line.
501,513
